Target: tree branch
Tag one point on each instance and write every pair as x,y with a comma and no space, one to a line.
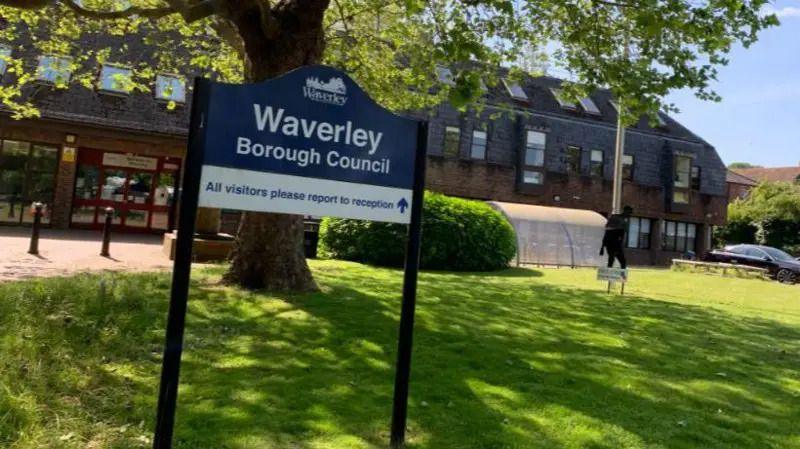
227,32
26,4
152,13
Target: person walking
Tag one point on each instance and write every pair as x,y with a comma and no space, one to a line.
614,237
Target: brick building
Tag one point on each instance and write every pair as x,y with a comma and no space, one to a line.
95,148
739,186
92,148
526,146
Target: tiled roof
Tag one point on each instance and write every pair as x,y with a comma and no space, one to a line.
738,178
541,99
787,174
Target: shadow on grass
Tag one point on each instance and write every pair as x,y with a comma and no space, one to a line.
499,362
493,367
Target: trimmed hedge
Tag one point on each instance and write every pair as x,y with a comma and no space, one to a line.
457,234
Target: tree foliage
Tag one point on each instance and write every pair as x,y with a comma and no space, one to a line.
735,165
640,49
770,215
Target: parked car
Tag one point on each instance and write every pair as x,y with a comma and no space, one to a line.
780,266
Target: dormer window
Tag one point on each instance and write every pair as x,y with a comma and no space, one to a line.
445,76
54,69
170,88
682,172
116,79
562,101
588,105
5,53
661,122
515,90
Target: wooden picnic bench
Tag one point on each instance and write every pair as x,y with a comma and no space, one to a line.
713,267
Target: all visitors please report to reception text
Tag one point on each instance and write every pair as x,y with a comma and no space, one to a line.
237,189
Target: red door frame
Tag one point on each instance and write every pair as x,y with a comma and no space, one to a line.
94,158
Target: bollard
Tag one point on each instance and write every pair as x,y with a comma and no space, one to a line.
37,222
107,232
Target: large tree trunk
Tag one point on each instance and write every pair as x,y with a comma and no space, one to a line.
269,247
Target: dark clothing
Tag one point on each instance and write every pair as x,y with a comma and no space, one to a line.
613,242
617,222
619,255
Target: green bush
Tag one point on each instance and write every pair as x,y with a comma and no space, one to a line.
457,234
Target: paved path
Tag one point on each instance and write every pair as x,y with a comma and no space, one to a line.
68,252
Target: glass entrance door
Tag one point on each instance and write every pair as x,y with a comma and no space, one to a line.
138,200
141,198
27,174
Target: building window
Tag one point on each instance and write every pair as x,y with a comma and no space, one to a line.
515,90
696,171
683,169
596,167
5,53
678,236
532,177
452,138
680,197
28,174
639,233
627,167
660,120
562,101
116,79
534,148
588,105
445,76
478,148
573,161
54,69
170,88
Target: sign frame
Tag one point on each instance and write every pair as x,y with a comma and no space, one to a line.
612,274
176,318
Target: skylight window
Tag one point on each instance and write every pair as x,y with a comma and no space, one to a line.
116,79
54,69
661,122
5,52
564,103
170,88
445,76
588,105
614,104
515,90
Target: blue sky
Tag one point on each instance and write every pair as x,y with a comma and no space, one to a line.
758,120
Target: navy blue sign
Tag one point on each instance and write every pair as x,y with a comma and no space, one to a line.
312,122
308,143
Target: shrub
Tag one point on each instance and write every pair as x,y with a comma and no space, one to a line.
457,234
769,216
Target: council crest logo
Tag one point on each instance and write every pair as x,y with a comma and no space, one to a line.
333,92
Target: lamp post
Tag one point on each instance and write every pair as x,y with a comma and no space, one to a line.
616,201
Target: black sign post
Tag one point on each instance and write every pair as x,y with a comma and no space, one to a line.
405,337
310,142
179,296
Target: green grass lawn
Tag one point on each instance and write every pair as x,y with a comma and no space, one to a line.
515,359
